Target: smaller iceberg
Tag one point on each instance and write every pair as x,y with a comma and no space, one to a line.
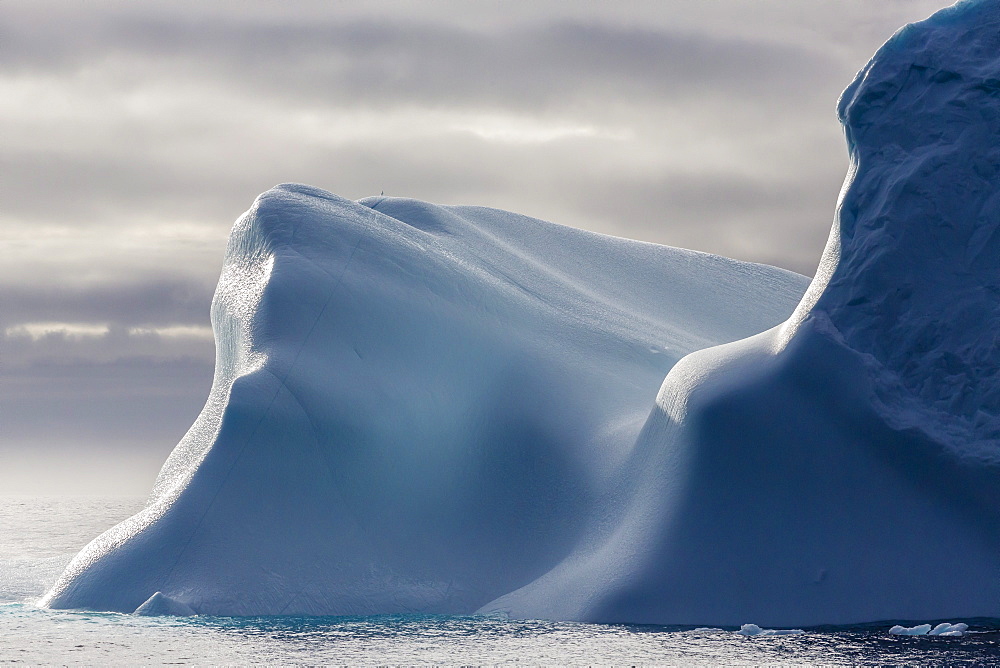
942,629
919,630
754,630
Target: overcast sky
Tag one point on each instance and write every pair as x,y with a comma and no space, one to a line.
133,134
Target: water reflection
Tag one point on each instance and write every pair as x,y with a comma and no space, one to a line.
441,639
40,536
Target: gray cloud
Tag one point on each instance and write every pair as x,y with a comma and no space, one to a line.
732,216
95,428
157,302
85,187
133,134
378,63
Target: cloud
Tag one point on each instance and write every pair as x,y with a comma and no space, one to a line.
780,222
156,303
378,62
133,134
95,428
126,117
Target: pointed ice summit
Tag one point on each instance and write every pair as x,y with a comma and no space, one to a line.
455,409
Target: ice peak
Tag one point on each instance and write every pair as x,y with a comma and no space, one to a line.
910,275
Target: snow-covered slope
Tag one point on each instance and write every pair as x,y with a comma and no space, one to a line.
844,467
416,408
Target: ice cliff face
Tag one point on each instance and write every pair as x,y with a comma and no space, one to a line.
451,409
917,284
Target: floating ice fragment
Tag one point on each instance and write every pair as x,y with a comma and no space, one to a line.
942,629
946,629
754,630
750,630
919,630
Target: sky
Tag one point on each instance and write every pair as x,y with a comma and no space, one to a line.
132,135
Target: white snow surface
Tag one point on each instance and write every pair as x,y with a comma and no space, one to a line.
455,409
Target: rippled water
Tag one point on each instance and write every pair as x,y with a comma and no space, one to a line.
39,536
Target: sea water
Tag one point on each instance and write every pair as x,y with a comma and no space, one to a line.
38,537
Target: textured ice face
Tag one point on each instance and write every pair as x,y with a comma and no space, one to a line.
916,282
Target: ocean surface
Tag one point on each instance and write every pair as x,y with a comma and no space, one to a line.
38,537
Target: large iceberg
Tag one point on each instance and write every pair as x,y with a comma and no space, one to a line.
415,408
455,409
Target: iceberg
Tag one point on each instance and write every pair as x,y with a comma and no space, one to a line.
918,630
416,408
754,630
949,629
420,408
942,629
